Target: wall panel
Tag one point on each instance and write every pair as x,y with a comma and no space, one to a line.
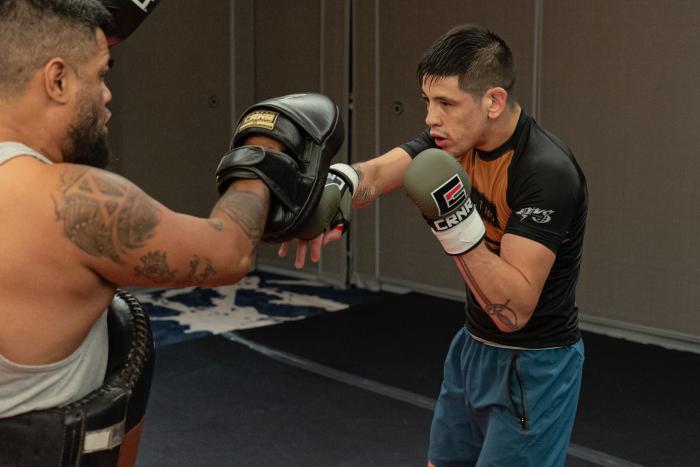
619,84
171,108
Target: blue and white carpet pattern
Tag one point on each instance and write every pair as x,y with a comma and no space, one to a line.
260,299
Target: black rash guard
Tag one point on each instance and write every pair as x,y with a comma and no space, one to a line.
531,186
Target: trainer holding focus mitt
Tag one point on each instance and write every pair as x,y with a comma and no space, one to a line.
507,200
311,131
77,232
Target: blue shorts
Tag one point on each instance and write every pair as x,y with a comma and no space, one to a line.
505,407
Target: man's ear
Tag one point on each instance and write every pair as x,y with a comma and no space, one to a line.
57,75
497,101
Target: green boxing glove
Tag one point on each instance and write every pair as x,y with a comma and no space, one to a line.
440,187
334,210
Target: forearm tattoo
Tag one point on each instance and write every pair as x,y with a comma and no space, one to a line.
155,268
500,311
201,269
103,215
246,209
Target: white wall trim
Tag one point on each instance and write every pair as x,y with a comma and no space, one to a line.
640,333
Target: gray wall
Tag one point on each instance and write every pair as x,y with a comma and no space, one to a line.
619,82
616,80
171,85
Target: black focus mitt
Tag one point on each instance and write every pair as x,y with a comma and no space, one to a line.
311,129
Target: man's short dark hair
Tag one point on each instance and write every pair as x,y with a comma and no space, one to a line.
32,32
478,57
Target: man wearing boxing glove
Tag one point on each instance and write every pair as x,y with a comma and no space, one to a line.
507,200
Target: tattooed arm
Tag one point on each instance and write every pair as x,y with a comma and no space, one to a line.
380,175
129,239
508,286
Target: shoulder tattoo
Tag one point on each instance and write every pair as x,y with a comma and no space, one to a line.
103,215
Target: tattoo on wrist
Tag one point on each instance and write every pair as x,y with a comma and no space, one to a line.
246,209
103,215
155,268
500,311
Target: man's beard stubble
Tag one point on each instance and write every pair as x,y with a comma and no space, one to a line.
86,144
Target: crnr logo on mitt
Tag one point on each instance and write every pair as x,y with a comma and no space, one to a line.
449,195
259,119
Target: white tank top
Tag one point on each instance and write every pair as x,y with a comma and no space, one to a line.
24,388
10,150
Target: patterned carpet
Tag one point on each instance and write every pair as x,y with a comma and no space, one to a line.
260,299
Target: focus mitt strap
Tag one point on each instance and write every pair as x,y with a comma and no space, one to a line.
277,170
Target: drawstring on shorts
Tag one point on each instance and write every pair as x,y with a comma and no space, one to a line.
515,369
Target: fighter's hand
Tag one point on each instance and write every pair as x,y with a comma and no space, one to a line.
313,246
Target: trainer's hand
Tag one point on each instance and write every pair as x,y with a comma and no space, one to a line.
440,187
313,246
